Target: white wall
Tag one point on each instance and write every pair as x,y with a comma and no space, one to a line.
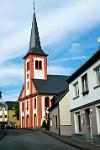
64,107
93,95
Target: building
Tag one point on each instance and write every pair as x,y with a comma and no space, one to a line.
59,114
84,87
3,115
39,87
12,119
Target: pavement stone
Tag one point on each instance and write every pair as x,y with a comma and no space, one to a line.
82,145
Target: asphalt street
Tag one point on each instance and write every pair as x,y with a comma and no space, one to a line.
21,139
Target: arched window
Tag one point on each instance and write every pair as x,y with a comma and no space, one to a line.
36,64
22,106
40,65
28,66
46,101
35,103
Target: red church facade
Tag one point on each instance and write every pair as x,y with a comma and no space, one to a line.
39,88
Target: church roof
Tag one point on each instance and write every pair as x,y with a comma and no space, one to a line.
35,45
57,99
53,85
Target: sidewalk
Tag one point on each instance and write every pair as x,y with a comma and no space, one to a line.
71,141
2,133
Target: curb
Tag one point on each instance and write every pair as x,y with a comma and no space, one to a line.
73,144
82,145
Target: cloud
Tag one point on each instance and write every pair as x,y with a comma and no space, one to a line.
69,18
11,75
76,48
10,95
76,19
69,59
59,70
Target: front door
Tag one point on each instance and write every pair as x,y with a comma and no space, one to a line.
88,125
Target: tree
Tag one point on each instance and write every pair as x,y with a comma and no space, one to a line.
0,94
17,110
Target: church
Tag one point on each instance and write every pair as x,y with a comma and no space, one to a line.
39,87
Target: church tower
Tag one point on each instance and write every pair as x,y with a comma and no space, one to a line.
35,61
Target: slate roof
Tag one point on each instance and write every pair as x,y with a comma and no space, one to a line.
11,104
35,45
95,57
57,99
53,85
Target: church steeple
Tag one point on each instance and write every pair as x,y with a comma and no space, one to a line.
35,45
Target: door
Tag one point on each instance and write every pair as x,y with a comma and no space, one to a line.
88,125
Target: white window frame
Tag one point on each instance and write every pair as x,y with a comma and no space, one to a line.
76,89
77,131
96,78
98,118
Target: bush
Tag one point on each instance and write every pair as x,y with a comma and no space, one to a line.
44,124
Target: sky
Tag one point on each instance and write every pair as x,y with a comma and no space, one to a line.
68,32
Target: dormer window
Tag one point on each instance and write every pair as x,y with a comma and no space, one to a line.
38,65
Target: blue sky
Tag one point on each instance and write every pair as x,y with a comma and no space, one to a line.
68,31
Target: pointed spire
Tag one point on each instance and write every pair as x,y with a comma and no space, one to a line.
35,45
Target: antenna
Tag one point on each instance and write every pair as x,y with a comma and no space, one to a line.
98,40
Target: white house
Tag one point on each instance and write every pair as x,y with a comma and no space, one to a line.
84,87
3,114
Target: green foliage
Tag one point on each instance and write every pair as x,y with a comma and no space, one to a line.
17,110
44,124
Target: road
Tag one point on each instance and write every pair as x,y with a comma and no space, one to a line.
21,139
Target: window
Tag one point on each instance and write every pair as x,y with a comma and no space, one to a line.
28,85
36,64
97,75
0,116
27,76
27,105
76,89
22,106
5,116
28,66
56,122
98,118
78,122
35,103
46,101
84,85
40,65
